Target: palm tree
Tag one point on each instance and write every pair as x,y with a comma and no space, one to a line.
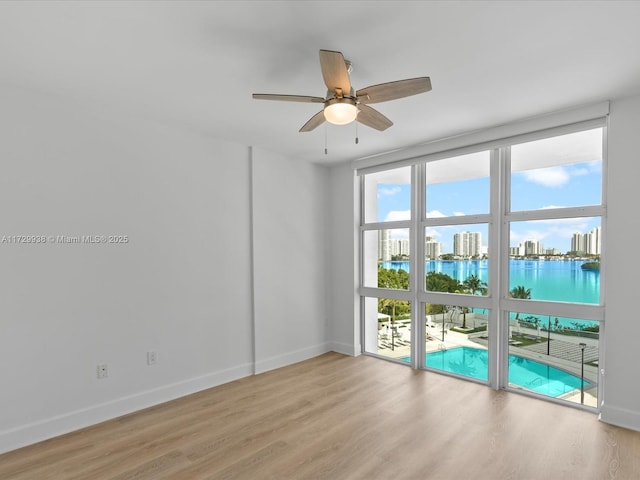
520,292
473,284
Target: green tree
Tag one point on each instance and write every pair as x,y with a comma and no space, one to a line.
520,292
397,280
473,284
391,278
441,282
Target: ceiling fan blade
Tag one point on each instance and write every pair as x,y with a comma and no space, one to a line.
335,73
372,118
288,98
393,90
315,121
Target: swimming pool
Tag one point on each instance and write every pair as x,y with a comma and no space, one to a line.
523,372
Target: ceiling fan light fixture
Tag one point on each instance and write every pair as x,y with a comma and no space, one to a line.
340,111
343,104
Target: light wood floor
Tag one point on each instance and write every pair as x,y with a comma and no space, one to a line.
337,417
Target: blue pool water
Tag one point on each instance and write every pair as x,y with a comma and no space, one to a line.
526,373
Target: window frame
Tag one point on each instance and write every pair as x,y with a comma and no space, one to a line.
497,302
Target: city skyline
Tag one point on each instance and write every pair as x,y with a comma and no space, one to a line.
556,233
551,173
559,186
469,245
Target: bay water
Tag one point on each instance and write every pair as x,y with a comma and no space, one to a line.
553,280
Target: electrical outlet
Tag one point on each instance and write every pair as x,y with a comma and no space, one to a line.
152,357
103,371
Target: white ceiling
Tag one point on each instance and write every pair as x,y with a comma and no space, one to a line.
195,64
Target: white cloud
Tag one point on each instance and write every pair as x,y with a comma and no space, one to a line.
399,234
552,232
594,166
567,230
396,215
458,214
516,238
578,172
564,223
548,177
432,232
388,191
435,214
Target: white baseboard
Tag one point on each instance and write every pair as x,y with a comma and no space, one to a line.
344,348
289,358
52,427
35,432
620,417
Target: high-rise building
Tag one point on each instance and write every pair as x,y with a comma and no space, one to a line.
398,247
593,241
467,244
587,243
388,247
432,248
384,252
533,247
577,243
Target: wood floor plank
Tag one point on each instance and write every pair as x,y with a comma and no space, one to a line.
338,417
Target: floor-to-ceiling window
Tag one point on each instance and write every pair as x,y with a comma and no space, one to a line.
387,250
455,222
484,262
554,215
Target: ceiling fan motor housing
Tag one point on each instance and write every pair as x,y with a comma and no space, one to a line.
340,110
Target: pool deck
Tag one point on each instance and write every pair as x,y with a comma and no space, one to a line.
564,354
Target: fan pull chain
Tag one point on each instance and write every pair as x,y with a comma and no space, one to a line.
325,139
356,132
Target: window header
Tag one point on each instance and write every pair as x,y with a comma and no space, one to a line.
534,128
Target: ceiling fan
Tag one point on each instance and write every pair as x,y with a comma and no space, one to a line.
342,105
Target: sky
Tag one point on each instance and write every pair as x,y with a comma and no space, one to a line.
565,185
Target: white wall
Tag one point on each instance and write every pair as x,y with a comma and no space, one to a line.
290,252
622,388
343,311
181,286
